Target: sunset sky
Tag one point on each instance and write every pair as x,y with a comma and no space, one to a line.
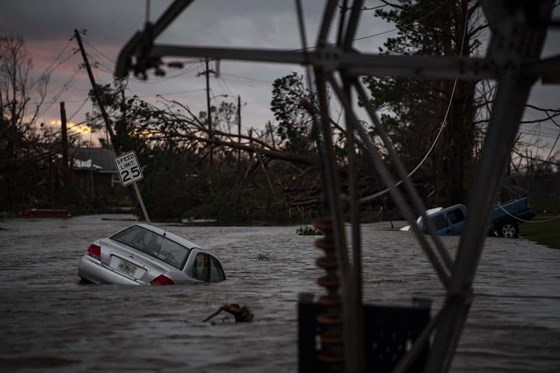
48,25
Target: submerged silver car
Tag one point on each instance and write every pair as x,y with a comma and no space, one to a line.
144,254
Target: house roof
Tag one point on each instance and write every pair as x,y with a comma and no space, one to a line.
85,165
101,159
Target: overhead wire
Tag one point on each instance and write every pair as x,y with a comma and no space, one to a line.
224,86
442,126
528,221
174,93
98,51
260,81
80,108
47,72
405,26
64,88
540,134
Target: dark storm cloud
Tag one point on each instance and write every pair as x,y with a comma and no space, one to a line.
40,20
202,21
47,25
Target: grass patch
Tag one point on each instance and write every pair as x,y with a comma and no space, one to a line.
545,233
308,230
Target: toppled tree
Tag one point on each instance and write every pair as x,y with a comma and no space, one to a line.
173,144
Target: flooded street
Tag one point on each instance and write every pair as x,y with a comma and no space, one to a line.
49,322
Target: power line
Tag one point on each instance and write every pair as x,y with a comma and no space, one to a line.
56,97
267,82
541,132
224,86
99,52
404,26
47,72
101,67
80,108
97,94
175,93
442,126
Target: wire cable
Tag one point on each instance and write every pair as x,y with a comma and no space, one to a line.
64,88
47,72
99,52
405,26
260,81
442,126
80,108
528,221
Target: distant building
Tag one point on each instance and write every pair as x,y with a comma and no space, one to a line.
94,170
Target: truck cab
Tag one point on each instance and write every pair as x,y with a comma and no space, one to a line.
504,223
448,221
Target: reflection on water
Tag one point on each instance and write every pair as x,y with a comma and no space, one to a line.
51,323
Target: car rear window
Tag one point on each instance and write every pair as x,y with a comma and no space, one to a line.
154,244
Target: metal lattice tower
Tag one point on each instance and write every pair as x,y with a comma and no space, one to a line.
518,30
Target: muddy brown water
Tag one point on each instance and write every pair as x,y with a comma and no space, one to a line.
51,323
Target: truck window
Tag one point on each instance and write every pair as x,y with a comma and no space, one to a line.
439,221
456,216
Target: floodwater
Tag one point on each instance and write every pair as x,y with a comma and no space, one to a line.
51,323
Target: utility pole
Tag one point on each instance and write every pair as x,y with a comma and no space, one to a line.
208,105
96,92
64,146
101,104
239,129
64,140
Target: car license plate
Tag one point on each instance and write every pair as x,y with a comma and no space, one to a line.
129,269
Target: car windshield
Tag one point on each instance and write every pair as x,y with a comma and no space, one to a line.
154,244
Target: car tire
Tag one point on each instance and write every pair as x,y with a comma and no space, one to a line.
508,230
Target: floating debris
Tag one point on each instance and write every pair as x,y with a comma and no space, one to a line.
240,313
264,257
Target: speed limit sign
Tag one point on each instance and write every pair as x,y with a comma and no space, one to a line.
128,168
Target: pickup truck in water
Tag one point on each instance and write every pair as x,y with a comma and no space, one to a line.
505,219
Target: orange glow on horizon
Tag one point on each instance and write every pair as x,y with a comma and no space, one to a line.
79,128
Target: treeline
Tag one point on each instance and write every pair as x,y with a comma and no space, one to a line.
269,173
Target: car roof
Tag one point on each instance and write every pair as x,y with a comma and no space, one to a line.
172,236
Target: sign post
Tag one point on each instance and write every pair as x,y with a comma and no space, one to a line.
130,172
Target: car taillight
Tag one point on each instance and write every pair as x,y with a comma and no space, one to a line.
162,280
94,251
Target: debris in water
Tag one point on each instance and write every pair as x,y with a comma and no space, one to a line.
263,257
241,313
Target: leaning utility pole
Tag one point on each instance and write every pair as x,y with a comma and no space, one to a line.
101,104
96,92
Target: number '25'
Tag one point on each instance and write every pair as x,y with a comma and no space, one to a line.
127,175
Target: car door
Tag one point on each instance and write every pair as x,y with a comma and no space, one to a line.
207,268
